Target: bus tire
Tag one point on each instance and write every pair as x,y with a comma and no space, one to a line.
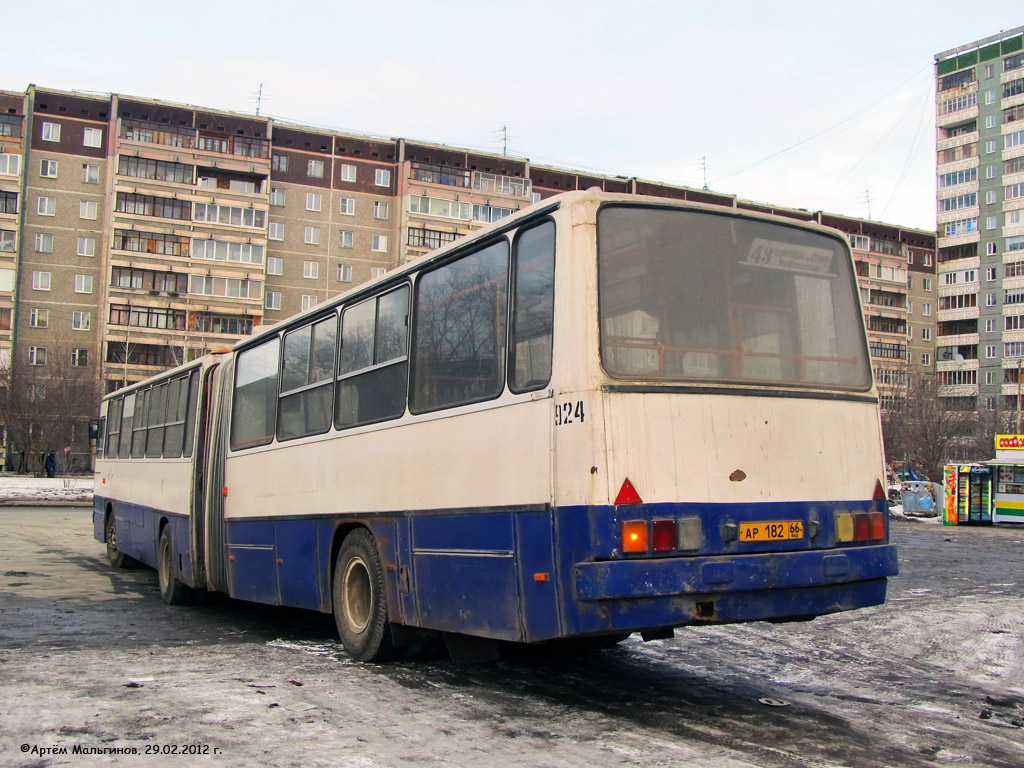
115,556
173,591
359,599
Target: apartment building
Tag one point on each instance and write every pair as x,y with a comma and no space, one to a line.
138,234
980,199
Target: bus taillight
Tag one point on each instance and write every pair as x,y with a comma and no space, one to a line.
663,535
634,536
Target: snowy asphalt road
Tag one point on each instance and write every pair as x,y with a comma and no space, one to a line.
92,657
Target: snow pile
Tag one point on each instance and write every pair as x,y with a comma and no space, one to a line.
25,488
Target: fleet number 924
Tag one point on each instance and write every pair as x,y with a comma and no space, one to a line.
567,413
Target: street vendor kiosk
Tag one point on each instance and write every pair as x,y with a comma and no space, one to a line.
969,496
1008,466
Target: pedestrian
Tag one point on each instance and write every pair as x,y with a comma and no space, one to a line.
51,464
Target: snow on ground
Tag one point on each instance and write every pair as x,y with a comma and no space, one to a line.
26,488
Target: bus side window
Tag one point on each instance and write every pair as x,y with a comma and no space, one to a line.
254,406
124,449
306,380
458,354
533,306
139,424
157,416
174,430
191,416
113,427
374,359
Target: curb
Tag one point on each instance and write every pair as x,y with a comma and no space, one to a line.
44,503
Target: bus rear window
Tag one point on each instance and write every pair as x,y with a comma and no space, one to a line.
693,296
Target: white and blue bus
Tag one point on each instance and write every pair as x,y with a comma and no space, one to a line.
604,414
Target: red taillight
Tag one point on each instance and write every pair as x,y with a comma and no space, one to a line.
862,526
628,495
663,535
877,526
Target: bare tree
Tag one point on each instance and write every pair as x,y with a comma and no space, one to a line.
48,406
921,427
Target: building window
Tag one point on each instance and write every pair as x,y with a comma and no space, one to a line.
7,241
279,163
48,169
990,249
275,265
991,222
927,259
990,326
275,230
79,357
345,239
313,201
277,196
51,132
86,246
10,164
380,243
926,359
37,355
990,146
88,209
40,281
990,299
926,334
990,96
44,243
90,174
926,283
312,236
990,172
990,197
376,272
988,71
315,169
380,210
347,206
348,173
382,178
273,300
990,351
83,283
345,273
80,321
990,274
310,269
39,318
308,302
926,308
92,137
47,206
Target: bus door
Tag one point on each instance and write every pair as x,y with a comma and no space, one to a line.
212,472
202,385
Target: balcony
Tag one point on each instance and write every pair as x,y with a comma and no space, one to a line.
502,185
438,174
957,141
959,340
157,133
237,146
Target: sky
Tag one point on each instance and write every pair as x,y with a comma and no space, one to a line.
824,105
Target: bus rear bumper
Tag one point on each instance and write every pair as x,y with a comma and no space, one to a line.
647,593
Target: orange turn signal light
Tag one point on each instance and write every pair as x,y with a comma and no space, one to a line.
634,536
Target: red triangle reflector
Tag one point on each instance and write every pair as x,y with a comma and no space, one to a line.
879,492
628,495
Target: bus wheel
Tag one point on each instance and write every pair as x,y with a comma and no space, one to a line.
117,558
171,590
358,596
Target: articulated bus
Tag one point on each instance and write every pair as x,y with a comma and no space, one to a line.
604,414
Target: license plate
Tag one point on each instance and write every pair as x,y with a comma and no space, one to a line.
773,531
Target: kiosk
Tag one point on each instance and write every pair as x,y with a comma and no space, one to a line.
1008,466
